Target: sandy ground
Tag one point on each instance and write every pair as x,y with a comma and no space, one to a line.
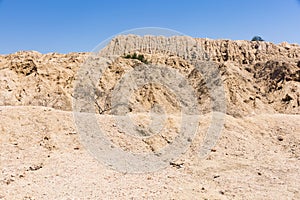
41,157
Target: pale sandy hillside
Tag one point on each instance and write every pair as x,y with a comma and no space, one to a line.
256,155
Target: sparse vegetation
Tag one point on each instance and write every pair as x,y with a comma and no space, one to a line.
139,57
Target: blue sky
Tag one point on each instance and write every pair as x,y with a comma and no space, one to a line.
78,26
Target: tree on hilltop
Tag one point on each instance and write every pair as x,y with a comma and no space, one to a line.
257,38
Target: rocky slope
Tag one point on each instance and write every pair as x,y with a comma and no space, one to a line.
258,77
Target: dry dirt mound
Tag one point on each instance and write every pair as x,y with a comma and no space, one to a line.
258,77
30,78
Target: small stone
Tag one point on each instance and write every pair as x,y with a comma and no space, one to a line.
35,167
280,138
213,150
177,165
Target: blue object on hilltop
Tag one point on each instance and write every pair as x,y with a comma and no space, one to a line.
257,38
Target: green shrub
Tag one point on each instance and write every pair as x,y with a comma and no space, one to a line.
127,56
134,56
139,57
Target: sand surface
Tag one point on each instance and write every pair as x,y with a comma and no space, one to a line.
41,157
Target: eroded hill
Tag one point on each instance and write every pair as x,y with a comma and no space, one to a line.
258,77
256,154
